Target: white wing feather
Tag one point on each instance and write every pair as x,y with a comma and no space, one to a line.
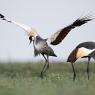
23,26
53,37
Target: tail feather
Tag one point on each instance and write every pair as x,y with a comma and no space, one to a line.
54,55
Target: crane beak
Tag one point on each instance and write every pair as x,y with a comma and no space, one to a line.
30,42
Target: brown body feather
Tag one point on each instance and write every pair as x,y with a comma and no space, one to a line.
72,57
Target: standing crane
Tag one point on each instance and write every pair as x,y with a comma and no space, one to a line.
83,50
41,45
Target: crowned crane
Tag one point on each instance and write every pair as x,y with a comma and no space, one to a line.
41,45
83,50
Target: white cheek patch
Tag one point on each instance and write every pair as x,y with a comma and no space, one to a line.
33,38
83,52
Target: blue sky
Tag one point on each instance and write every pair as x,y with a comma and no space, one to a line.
46,16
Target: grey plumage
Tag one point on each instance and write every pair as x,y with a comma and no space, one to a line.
41,47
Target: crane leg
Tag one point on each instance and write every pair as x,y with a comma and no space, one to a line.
47,62
88,67
74,73
44,67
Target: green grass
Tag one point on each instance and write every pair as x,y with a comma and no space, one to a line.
23,79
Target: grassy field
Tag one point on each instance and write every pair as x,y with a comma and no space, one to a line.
23,79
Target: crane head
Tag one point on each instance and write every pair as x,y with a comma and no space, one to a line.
31,39
31,36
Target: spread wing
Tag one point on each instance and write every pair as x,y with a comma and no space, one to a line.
57,37
21,25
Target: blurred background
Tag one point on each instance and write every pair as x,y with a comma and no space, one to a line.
46,16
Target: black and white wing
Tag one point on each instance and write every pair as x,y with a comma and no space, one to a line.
21,25
57,37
